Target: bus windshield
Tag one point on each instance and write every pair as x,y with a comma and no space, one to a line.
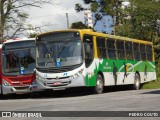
59,53
19,61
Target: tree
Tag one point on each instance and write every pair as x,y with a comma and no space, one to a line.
78,25
13,14
143,20
103,7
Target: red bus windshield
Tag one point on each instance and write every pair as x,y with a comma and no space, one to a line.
19,61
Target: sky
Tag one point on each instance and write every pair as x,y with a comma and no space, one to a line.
53,17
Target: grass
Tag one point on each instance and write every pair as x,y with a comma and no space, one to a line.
156,83
152,85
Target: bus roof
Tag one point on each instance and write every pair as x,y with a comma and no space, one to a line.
24,39
91,32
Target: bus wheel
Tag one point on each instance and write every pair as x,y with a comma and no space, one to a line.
98,89
137,82
1,94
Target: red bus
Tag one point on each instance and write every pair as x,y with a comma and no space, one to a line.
17,66
0,67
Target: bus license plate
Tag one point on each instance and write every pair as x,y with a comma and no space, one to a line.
57,83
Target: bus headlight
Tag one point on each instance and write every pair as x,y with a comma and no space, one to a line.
39,78
5,83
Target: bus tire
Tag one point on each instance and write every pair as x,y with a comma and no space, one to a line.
98,89
1,94
137,82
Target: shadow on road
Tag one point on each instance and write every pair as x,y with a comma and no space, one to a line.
72,92
152,92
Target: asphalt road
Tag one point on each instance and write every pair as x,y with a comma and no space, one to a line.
119,100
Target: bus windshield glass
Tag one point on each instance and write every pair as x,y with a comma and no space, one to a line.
59,50
19,61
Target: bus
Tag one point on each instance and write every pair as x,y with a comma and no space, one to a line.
17,66
0,66
84,58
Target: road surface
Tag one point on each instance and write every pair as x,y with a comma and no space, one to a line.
130,100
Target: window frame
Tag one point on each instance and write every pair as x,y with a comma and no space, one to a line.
136,51
99,48
149,53
119,50
112,50
143,52
130,51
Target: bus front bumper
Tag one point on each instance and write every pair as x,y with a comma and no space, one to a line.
61,83
18,89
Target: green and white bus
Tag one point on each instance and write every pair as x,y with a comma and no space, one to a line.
77,58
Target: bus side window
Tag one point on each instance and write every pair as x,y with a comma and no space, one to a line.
88,46
129,50
149,52
136,51
143,52
120,49
101,47
111,48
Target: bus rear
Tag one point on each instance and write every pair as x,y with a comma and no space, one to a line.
18,58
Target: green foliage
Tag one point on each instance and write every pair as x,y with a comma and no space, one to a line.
32,35
152,85
137,20
102,7
78,25
94,7
142,21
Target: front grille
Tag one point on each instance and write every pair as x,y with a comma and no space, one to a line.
21,84
58,78
21,88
